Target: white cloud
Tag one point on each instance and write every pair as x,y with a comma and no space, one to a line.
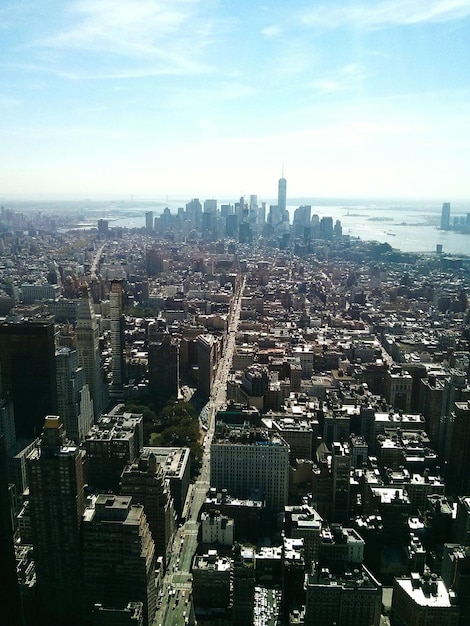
133,39
271,31
386,13
132,27
345,78
323,85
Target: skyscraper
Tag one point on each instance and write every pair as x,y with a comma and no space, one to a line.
74,404
244,460
27,361
112,443
149,221
9,591
458,469
340,467
302,217
7,421
282,196
445,216
55,470
118,555
115,304
207,356
163,367
194,212
89,358
145,482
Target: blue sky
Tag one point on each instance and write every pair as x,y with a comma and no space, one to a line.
365,98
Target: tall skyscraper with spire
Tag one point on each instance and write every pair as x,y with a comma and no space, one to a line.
282,196
56,485
278,212
89,358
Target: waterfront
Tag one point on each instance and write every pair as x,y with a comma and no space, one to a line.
410,227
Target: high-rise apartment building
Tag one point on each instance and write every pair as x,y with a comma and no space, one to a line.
55,470
462,521
326,229
210,206
27,361
302,217
340,469
117,348
103,228
231,225
118,555
398,388
455,572
163,368
458,472
89,358
207,357
154,262
145,482
245,234
445,216
175,463
74,404
110,445
194,212
248,460
7,421
149,221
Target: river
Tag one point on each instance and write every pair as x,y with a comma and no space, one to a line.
409,226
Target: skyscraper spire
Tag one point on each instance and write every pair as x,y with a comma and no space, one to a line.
281,195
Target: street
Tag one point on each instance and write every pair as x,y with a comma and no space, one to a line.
175,601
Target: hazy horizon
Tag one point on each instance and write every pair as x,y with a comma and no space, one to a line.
134,200
359,100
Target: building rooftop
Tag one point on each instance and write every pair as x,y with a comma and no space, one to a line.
211,561
426,591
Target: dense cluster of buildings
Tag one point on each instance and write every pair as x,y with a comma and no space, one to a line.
460,223
339,466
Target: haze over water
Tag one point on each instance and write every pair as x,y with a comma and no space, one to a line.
410,226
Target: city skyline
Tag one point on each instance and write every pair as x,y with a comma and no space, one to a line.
368,99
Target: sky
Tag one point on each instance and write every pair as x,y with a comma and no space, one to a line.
214,98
